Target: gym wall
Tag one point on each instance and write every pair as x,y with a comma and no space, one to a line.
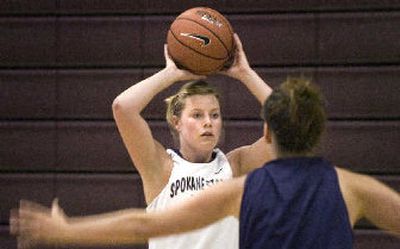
63,62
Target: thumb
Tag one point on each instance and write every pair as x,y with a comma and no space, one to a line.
55,208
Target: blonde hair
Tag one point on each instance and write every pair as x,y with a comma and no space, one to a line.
176,102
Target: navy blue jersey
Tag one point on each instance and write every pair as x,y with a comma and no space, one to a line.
294,203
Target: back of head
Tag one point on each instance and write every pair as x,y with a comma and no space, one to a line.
295,114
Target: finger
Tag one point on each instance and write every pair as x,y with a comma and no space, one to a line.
238,42
14,221
30,220
27,214
33,206
198,77
166,54
55,208
27,225
24,242
166,50
223,71
56,211
21,242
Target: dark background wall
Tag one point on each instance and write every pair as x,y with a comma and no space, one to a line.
62,62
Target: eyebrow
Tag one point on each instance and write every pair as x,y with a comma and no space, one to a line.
212,110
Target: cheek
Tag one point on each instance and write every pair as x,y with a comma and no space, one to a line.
189,126
218,125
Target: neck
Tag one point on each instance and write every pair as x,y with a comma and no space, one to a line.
294,154
286,154
196,156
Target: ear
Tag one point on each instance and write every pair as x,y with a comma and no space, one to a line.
267,133
176,122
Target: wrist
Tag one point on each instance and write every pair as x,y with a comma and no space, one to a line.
245,75
64,233
170,74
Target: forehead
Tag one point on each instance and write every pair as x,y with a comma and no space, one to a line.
203,102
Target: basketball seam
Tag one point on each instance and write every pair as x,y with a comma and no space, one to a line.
208,56
196,71
224,19
204,26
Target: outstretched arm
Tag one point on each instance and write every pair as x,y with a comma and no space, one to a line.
208,206
34,224
380,204
369,198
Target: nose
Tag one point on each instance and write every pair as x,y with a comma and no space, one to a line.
207,121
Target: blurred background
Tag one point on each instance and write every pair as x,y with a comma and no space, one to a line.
62,62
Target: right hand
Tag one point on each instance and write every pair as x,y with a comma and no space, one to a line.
34,224
180,74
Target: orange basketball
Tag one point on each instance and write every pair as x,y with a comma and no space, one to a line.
200,40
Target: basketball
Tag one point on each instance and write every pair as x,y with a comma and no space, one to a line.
200,40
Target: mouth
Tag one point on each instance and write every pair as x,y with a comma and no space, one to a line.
207,134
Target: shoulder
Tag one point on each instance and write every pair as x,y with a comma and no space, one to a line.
355,182
235,159
249,157
350,182
361,185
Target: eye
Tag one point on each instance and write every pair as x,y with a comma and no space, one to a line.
196,115
215,115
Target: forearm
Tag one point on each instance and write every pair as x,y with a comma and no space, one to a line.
242,71
205,208
117,228
135,226
257,86
138,96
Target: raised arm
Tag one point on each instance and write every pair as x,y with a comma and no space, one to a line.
369,198
242,71
247,158
148,156
35,225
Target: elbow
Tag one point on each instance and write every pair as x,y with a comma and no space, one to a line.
121,108
117,105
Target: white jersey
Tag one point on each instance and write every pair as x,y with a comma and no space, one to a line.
186,179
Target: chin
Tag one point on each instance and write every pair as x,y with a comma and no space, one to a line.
208,146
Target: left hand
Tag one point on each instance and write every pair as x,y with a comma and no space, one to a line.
240,64
34,224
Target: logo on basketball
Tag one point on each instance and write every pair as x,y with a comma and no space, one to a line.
209,18
202,38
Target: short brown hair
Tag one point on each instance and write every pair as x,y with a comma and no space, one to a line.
295,113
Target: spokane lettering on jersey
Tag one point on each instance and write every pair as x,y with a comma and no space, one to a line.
190,183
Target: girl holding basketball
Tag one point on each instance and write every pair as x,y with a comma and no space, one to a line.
194,116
